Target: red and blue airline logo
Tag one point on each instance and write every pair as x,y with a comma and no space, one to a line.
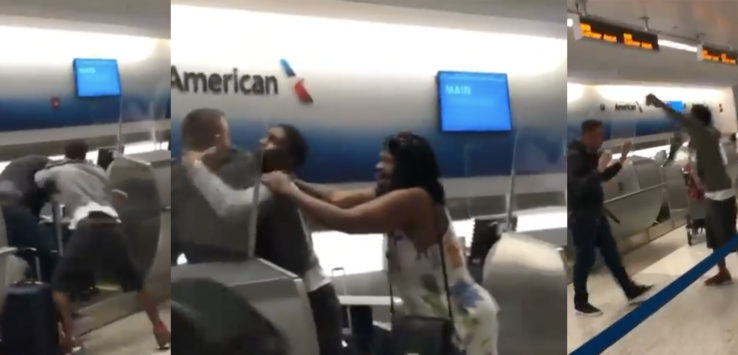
299,87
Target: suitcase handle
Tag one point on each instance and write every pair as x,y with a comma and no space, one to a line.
345,293
37,262
57,220
343,280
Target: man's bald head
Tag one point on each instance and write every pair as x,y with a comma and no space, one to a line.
203,128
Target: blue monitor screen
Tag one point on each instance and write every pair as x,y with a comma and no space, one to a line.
473,102
96,77
677,106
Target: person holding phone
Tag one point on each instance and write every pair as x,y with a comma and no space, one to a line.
712,177
587,168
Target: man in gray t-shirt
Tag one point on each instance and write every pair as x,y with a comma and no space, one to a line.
97,243
712,176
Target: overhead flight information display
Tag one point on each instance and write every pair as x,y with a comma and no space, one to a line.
473,102
96,77
717,55
599,30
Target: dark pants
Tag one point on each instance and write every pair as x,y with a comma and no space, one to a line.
327,318
362,324
720,222
23,231
96,245
589,233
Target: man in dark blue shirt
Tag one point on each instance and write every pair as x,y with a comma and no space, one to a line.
21,202
587,169
17,184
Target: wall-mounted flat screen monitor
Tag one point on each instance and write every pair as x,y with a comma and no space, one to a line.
96,77
473,102
677,106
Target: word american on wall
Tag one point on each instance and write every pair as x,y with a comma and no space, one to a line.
625,107
217,83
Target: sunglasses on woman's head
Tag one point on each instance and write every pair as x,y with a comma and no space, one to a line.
404,138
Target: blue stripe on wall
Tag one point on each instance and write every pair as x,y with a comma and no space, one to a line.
347,156
637,128
34,113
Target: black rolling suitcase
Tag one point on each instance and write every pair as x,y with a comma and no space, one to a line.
29,321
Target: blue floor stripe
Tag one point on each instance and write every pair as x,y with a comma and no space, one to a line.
624,325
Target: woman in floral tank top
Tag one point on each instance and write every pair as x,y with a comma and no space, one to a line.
408,206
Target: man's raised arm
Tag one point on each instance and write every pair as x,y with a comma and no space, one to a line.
691,124
340,198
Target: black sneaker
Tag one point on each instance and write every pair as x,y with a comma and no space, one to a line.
587,310
639,294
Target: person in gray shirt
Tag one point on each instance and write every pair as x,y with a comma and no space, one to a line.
282,234
97,242
711,175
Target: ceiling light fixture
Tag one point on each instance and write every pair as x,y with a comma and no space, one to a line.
677,45
662,42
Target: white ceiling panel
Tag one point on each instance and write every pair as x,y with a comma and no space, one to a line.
137,17
591,61
717,19
536,10
528,17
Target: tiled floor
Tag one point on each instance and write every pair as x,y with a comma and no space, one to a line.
128,336
701,320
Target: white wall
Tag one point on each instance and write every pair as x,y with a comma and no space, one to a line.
370,79
36,66
30,52
584,102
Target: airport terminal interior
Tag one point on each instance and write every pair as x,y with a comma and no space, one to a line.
659,232
368,177
46,109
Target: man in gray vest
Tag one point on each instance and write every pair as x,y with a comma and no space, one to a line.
712,176
283,236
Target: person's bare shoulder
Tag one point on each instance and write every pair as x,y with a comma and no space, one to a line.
413,197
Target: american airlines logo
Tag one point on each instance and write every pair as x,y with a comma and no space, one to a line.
236,82
299,86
